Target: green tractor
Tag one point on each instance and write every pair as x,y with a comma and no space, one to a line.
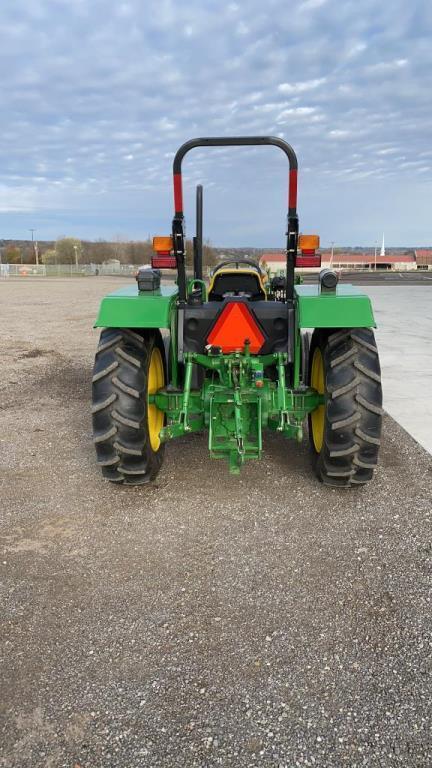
234,357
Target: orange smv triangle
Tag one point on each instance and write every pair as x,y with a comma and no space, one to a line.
234,325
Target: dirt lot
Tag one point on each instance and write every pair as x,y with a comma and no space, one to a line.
207,620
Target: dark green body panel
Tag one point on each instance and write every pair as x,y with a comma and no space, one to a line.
127,308
347,307
237,399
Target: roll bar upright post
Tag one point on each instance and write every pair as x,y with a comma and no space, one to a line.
198,239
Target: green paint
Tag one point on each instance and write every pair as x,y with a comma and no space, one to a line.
173,362
297,356
347,307
127,308
233,408
238,399
196,282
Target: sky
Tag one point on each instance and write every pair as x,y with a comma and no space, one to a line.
96,96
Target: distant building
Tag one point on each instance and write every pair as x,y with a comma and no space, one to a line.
351,261
423,258
276,262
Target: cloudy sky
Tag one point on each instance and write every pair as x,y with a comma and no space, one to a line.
96,96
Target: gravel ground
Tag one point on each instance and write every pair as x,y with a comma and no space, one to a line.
206,620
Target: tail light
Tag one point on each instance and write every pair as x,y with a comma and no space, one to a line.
308,257
163,258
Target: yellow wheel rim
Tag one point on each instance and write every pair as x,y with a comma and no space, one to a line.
156,380
318,415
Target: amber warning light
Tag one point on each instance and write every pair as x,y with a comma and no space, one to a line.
163,258
308,257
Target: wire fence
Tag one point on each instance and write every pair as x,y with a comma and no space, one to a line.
129,270
65,270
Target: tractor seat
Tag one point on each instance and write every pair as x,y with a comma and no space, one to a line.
246,283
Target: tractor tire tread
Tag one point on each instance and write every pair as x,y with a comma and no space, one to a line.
343,357
353,407
352,419
120,352
106,371
363,343
134,337
108,462
346,387
352,449
120,430
369,406
367,372
125,388
104,404
123,420
124,449
338,337
109,343
101,438
367,438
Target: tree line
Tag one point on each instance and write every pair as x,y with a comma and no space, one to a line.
70,250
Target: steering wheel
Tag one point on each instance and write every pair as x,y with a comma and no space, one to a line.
238,263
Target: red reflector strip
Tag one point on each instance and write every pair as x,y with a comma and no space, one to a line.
234,325
306,259
178,193
163,261
292,193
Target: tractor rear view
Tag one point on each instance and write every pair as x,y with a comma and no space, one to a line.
235,358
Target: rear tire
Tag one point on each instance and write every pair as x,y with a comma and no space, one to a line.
345,433
125,427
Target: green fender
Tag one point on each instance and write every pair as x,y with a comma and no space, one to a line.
347,307
127,308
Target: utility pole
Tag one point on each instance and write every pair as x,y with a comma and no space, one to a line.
332,254
375,252
35,249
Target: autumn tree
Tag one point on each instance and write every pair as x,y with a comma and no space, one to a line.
208,254
68,250
138,252
49,256
28,254
12,254
96,252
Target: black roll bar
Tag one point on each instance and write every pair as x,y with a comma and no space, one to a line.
198,239
178,225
